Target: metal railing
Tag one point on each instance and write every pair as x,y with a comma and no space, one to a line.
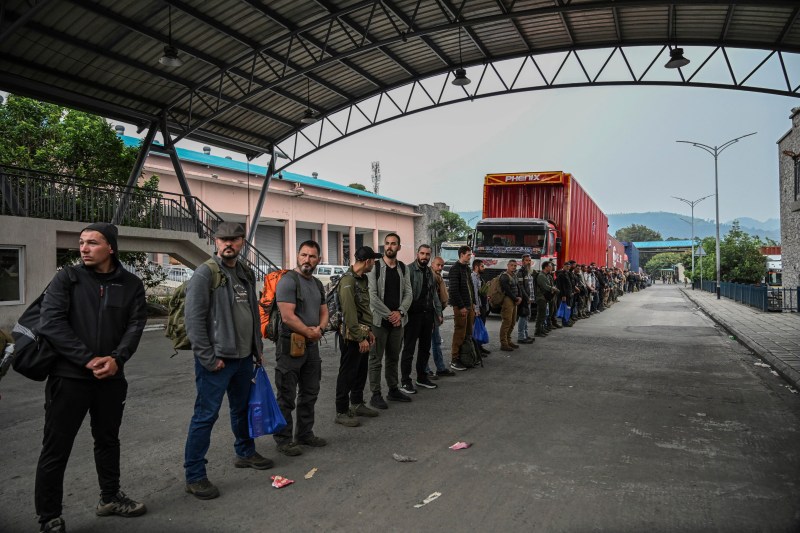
35,194
761,297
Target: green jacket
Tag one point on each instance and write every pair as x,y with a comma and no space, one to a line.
354,300
544,286
416,273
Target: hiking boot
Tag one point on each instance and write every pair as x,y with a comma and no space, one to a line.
432,376
426,383
557,326
484,351
347,420
363,410
541,335
313,441
506,348
202,490
445,373
529,340
56,525
120,505
255,461
396,396
408,388
456,365
513,345
290,449
378,402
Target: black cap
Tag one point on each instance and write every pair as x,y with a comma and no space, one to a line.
229,230
365,252
109,231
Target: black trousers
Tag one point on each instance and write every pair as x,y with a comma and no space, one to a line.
297,382
417,334
352,376
67,401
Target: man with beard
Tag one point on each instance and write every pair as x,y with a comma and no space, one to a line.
462,298
437,265
525,292
425,309
566,289
223,327
301,302
511,300
389,300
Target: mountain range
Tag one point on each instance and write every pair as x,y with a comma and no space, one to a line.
673,225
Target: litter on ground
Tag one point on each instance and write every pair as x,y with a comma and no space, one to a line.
311,473
775,373
762,365
279,481
460,446
428,500
403,458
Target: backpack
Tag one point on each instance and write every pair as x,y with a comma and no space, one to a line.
335,317
495,292
469,355
33,355
176,321
271,321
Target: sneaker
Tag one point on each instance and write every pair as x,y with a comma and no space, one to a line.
313,441
290,449
202,490
408,388
347,420
363,410
120,505
396,396
432,375
455,365
529,340
445,373
426,383
484,351
378,402
541,335
56,525
255,461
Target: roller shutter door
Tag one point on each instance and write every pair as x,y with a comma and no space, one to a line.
269,241
333,248
304,235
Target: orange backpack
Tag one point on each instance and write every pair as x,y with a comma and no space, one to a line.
268,306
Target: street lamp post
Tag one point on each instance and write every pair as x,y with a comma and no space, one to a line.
692,203
715,151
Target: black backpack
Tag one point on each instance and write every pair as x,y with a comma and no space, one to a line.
469,355
33,355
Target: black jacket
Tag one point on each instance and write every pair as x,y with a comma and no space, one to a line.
459,286
564,283
93,317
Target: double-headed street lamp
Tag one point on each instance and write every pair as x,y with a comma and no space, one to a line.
692,203
715,151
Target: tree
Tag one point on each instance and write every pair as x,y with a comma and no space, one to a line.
49,138
740,258
450,227
662,260
358,186
636,233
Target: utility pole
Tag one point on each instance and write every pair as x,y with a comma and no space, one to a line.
691,204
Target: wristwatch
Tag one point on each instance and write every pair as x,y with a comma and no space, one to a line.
402,313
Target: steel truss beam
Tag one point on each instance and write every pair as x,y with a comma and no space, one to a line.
430,92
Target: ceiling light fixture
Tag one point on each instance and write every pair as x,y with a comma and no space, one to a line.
308,116
460,78
676,59
170,57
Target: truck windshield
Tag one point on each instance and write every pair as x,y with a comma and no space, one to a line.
516,240
450,255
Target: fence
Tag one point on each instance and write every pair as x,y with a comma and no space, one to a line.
759,296
30,193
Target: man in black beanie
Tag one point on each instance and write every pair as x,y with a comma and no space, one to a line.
93,315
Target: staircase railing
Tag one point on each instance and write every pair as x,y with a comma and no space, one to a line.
35,194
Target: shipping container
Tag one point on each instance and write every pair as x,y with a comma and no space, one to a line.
557,197
633,256
615,254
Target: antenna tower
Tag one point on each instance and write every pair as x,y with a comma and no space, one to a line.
376,176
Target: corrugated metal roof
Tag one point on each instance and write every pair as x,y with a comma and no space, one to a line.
645,245
258,170
252,68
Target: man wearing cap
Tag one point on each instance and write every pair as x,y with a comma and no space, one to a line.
390,297
93,316
356,339
222,324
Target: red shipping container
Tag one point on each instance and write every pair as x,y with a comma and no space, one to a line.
553,196
615,257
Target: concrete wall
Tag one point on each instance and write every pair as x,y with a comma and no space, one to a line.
430,213
790,208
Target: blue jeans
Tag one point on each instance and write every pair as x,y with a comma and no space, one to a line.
436,348
234,379
522,328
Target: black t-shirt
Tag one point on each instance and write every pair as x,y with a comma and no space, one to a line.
391,291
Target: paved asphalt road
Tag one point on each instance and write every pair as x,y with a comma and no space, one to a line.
643,418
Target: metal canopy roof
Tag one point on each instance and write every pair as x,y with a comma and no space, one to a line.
251,68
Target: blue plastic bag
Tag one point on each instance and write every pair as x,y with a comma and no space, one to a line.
479,332
564,312
264,416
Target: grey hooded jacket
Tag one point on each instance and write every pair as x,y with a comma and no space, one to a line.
209,315
377,287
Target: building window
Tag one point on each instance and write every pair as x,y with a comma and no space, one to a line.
12,275
797,180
